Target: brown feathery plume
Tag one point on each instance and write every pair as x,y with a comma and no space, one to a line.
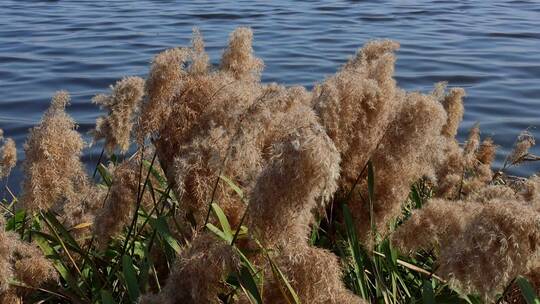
417,124
477,163
205,136
8,156
280,216
23,262
238,58
449,173
486,153
10,297
119,205
199,273
315,275
524,142
196,103
443,156
482,245
483,174
437,224
277,112
439,92
487,193
214,144
77,213
296,148
6,271
278,213
53,170
498,244
162,85
530,191
471,146
121,104
200,61
356,105
453,104
120,202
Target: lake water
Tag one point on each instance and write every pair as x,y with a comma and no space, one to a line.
491,48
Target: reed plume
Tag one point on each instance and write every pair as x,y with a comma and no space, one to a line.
498,244
55,178
118,207
162,84
22,262
315,275
357,104
53,170
280,216
482,245
453,105
200,62
530,191
196,142
238,58
198,274
436,224
8,155
524,142
417,124
124,100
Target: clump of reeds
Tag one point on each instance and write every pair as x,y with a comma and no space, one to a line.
245,178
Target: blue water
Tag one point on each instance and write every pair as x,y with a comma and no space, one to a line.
491,48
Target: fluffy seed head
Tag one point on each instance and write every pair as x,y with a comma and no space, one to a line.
8,156
23,262
417,124
314,274
486,153
163,83
436,224
471,147
497,244
524,142
117,210
121,104
200,60
198,274
357,104
53,170
238,58
453,104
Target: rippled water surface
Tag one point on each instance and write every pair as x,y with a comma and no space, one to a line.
492,48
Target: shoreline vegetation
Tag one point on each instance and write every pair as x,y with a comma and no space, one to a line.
242,192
